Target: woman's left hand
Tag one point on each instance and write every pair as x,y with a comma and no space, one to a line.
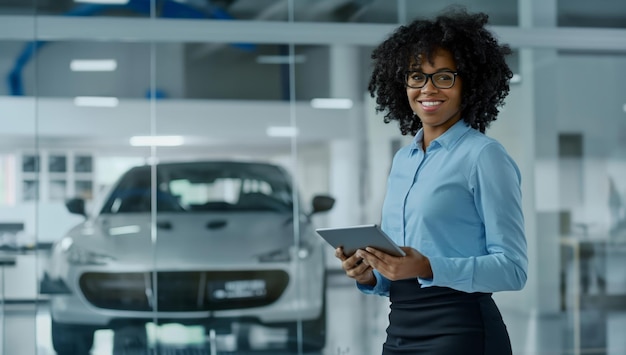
414,264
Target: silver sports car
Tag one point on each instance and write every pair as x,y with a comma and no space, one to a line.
219,248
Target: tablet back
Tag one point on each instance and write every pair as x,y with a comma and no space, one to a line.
359,237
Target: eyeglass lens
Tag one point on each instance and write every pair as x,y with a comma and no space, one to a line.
441,80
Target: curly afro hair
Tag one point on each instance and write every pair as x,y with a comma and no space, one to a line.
479,58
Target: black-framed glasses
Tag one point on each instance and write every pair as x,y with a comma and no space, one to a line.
441,80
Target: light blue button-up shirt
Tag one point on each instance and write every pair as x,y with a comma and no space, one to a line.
459,204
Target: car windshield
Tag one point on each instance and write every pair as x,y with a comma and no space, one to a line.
203,186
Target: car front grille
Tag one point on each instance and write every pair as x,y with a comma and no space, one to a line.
183,291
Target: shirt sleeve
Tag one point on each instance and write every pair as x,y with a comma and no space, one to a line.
381,288
495,182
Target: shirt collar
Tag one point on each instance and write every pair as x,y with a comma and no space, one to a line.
447,139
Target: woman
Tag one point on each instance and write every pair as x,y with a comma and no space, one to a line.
453,195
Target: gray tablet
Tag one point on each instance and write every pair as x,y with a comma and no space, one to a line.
359,237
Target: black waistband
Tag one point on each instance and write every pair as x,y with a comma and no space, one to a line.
410,290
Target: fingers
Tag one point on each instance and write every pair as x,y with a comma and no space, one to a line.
354,266
378,254
347,262
373,257
386,264
414,264
364,254
339,254
360,265
353,262
359,272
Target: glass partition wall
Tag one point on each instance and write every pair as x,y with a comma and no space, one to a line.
161,175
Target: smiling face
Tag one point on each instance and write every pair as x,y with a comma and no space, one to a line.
438,109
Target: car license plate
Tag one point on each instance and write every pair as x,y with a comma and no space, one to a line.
237,289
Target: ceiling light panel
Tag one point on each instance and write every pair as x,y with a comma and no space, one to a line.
96,101
157,141
93,65
342,104
282,131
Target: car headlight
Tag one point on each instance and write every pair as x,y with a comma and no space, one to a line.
80,256
286,254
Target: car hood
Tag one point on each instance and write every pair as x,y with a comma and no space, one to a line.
184,239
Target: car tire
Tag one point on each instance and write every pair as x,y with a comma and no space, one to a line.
72,339
313,332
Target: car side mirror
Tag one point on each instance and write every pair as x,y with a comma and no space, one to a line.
322,203
76,206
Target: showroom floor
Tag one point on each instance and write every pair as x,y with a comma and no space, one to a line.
26,330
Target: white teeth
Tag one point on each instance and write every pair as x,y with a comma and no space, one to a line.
431,103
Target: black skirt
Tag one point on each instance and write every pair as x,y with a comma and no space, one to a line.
443,321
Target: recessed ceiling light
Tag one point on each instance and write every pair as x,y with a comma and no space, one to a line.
96,101
282,131
157,141
93,65
343,104
516,79
624,107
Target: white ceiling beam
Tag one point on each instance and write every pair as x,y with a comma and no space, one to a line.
59,28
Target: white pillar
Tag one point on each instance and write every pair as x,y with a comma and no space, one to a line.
347,164
351,169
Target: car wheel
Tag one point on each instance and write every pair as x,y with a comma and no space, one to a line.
72,339
313,333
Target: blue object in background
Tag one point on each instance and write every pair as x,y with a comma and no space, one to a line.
156,94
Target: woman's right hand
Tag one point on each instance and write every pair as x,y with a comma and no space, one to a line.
355,268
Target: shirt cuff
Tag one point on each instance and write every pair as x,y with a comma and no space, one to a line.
381,287
447,272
